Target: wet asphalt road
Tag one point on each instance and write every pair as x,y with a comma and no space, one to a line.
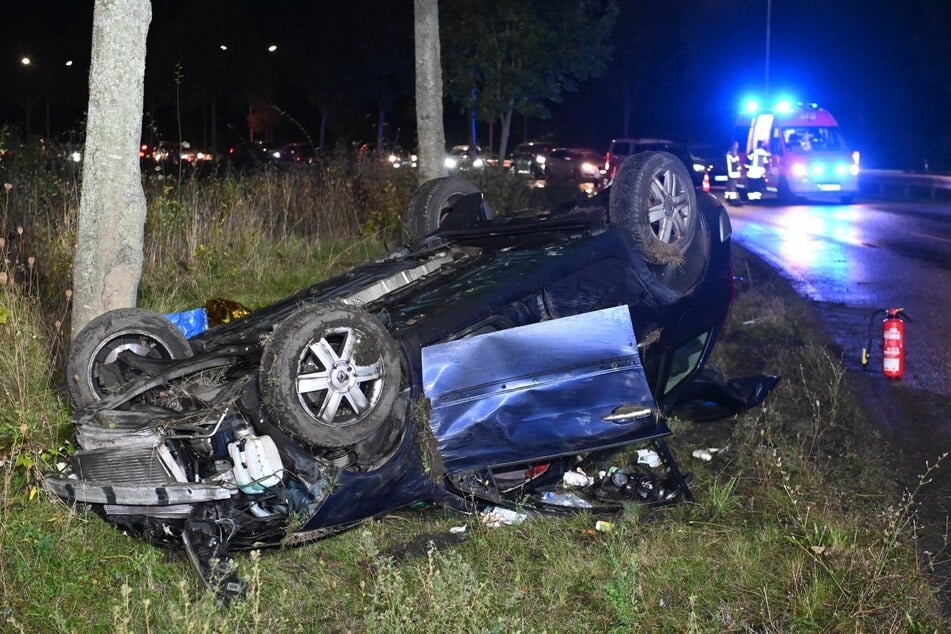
853,259
850,260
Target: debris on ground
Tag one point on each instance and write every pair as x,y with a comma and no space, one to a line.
564,499
496,516
576,479
707,454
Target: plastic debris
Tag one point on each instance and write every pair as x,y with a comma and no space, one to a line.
190,322
707,454
221,310
497,516
455,530
603,527
564,499
576,479
648,457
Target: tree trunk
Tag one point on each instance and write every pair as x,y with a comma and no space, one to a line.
107,263
429,123
323,130
506,126
380,131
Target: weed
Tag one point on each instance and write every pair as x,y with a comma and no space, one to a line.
720,497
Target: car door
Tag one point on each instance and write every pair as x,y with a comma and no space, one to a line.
554,388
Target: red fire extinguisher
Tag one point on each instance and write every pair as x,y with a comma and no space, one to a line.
893,341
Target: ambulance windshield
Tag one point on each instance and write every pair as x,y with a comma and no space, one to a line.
802,140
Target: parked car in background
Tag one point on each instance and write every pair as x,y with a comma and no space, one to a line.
573,164
580,166
463,158
297,153
620,149
528,159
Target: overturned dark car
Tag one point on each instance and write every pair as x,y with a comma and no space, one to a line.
473,367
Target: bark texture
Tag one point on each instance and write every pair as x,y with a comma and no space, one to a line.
107,263
429,122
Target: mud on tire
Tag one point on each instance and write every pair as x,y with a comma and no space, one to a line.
653,197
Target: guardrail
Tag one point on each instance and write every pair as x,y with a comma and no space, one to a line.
904,185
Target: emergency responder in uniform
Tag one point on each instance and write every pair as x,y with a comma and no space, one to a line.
733,174
756,164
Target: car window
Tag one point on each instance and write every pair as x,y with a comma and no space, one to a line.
684,360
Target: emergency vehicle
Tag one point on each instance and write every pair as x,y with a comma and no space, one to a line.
808,154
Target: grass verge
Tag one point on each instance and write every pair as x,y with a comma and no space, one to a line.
795,527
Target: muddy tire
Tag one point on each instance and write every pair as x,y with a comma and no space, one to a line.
433,201
331,375
653,197
91,370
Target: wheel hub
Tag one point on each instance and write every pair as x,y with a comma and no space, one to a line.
342,377
669,206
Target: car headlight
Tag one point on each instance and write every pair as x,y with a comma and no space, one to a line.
540,159
589,168
819,169
840,170
798,170
450,163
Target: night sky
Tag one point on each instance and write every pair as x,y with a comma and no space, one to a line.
882,67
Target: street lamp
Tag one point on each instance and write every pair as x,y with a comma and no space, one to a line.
769,13
26,61
272,48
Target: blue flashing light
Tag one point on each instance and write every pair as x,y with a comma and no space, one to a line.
783,107
751,106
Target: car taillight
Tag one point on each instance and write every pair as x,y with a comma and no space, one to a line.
607,161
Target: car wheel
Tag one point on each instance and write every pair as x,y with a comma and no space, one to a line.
653,197
433,201
331,375
684,275
91,370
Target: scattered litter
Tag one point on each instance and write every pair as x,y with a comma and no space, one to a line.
648,457
618,484
750,322
576,479
497,516
458,529
707,454
603,527
564,499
